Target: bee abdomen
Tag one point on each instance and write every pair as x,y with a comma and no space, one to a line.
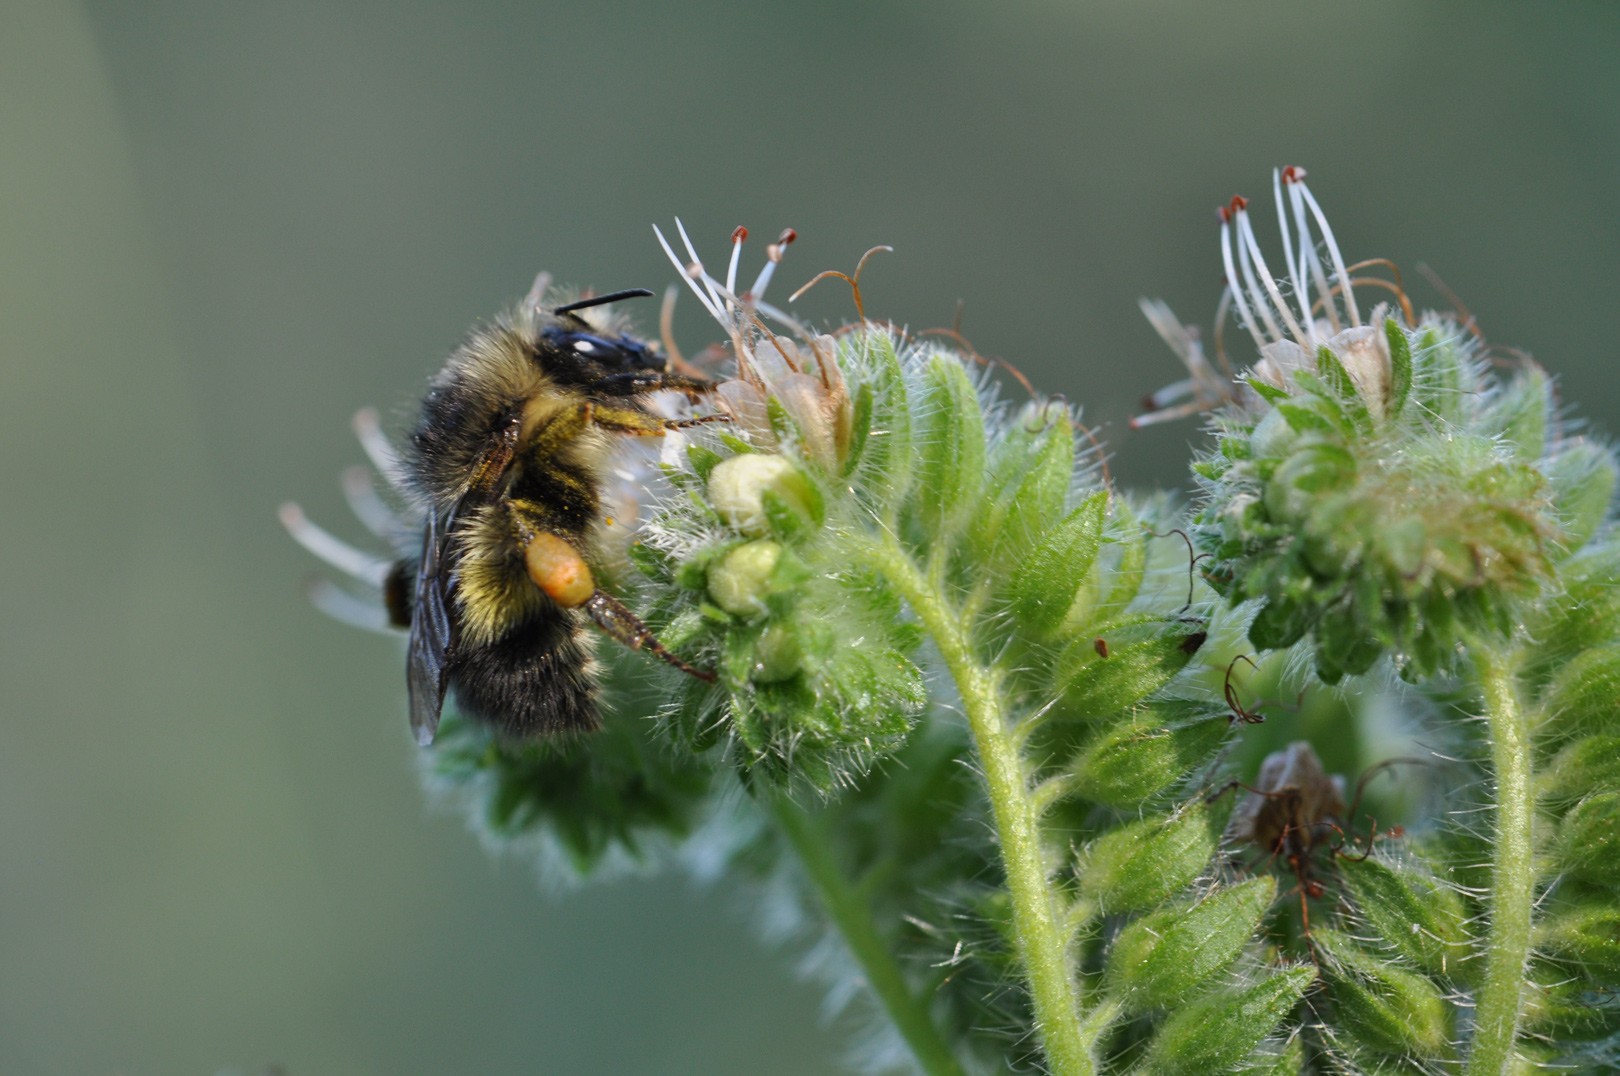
534,680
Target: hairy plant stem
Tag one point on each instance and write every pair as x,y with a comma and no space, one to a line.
1512,896
1036,927
849,913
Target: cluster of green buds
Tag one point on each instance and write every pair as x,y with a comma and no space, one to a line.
1376,483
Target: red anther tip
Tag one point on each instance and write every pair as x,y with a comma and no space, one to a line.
739,234
1225,213
788,235
1239,203
1293,174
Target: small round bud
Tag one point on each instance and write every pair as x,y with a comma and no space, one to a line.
740,580
738,487
777,656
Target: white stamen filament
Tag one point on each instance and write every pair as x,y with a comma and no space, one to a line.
1302,293
1233,287
680,268
346,608
368,506
1256,297
697,264
332,549
1308,255
731,270
1333,252
375,444
1246,230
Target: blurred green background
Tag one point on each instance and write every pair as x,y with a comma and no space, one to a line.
223,228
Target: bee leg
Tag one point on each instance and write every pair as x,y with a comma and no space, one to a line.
638,382
557,569
633,420
615,618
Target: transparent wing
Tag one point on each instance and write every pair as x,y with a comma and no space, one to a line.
430,630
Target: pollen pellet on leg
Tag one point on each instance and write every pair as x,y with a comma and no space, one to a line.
557,569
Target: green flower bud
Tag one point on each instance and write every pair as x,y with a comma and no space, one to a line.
1587,937
740,581
1388,1008
1414,914
1127,765
740,486
1160,959
1589,840
1585,766
1217,1032
1144,863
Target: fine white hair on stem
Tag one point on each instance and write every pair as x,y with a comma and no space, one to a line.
332,549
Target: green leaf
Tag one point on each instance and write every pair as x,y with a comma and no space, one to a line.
1400,363
950,447
1045,584
1519,414
885,472
1266,390
1217,1032
1160,959
1127,571
1143,863
860,427
1583,479
1028,478
1413,913
1280,624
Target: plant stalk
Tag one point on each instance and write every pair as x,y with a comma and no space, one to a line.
1512,898
1036,928
849,912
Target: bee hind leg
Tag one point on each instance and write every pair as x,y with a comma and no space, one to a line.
615,618
556,568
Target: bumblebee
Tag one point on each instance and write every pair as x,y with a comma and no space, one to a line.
507,467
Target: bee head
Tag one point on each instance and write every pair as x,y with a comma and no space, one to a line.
589,344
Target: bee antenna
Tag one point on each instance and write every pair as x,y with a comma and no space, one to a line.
600,300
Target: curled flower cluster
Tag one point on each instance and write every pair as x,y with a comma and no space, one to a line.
1375,483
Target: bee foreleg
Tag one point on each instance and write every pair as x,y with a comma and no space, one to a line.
637,382
633,420
615,618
